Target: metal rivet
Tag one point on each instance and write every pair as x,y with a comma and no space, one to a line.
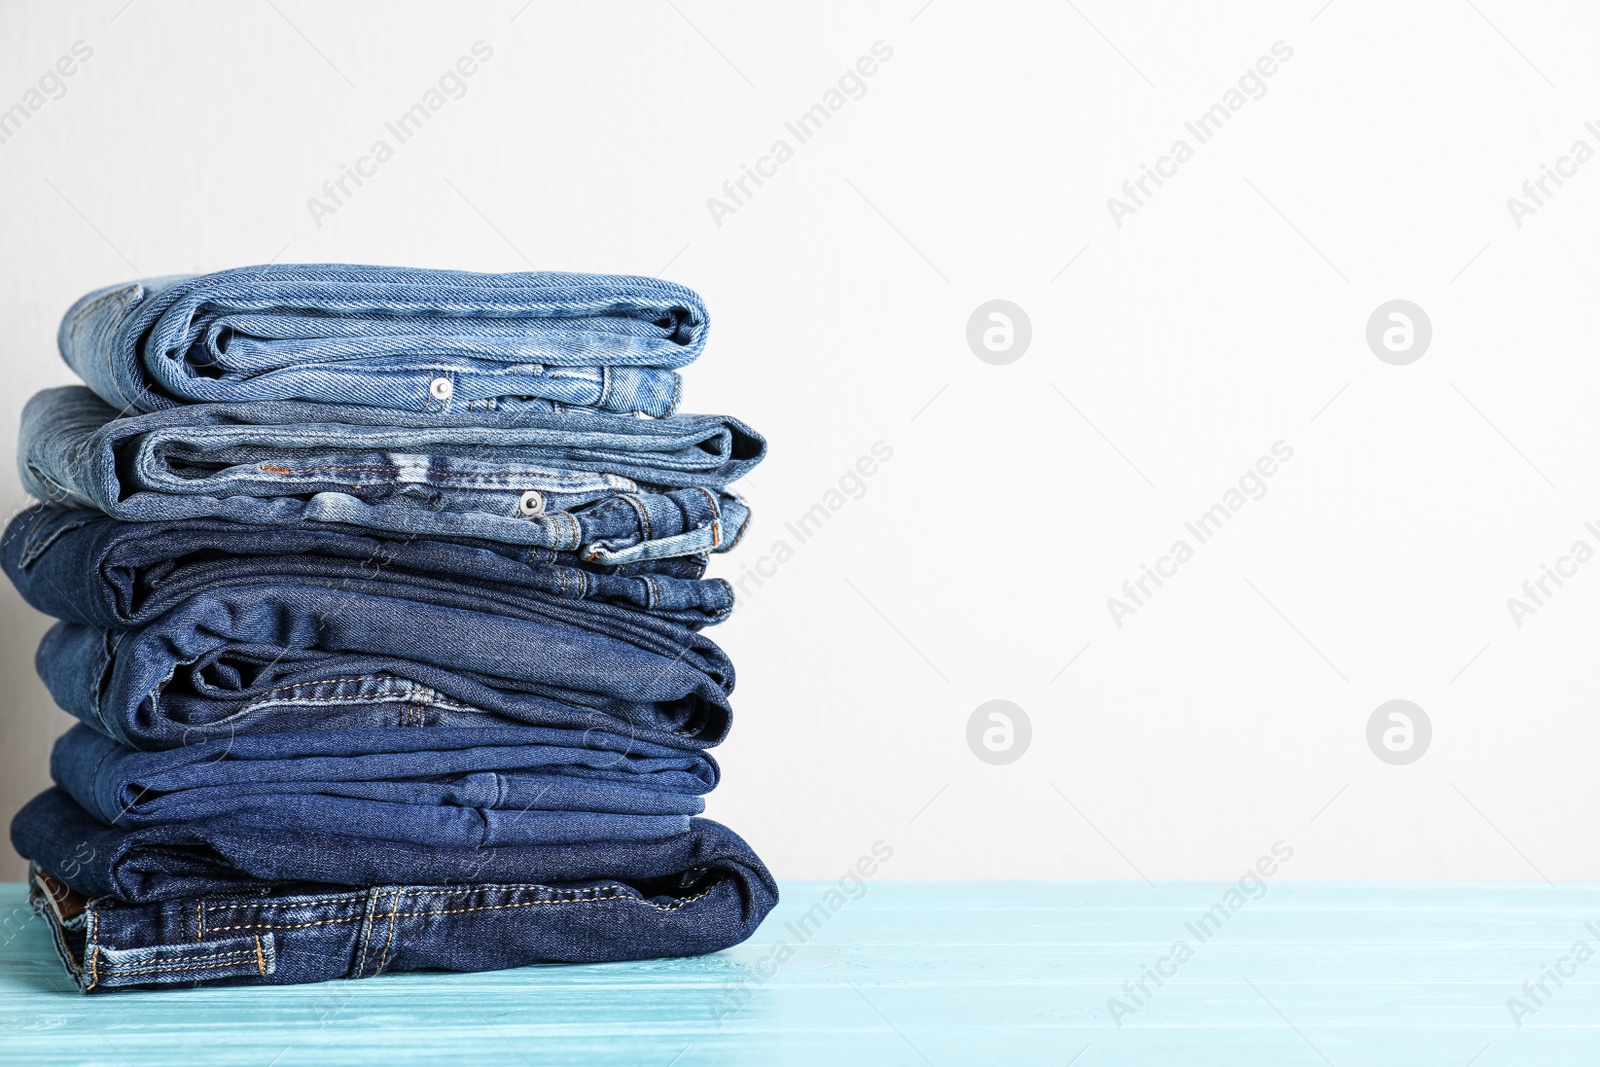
531,503
441,388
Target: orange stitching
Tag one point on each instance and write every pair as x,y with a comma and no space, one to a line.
94,949
261,961
390,939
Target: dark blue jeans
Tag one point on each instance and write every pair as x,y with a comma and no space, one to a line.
84,566
454,789
699,892
247,852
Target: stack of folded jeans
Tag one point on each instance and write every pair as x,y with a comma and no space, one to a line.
380,593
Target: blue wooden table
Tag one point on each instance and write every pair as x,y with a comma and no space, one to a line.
925,974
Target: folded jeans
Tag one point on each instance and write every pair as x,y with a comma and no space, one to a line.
387,337
615,489
451,788
239,854
277,935
81,565
230,660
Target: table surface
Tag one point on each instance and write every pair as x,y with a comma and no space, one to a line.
929,973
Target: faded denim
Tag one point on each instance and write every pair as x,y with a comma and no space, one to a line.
616,489
430,341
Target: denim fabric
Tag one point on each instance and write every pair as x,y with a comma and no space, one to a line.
684,900
385,336
456,789
240,853
228,660
83,566
616,489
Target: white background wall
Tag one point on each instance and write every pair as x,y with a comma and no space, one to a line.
1167,354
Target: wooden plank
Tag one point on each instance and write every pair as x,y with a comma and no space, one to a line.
918,973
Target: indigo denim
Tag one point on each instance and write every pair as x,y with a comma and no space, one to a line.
701,892
615,488
83,566
249,851
276,657
394,337
460,789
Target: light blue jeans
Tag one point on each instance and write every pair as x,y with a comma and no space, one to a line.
395,337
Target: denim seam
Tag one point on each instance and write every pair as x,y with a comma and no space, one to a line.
513,476
367,918
243,957
54,490
614,895
646,531
411,713
119,294
576,541
566,894
39,543
232,954
154,695
91,943
380,676
674,906
388,941
716,523
58,935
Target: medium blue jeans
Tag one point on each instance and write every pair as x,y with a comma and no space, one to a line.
395,337
449,789
83,566
301,656
616,489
